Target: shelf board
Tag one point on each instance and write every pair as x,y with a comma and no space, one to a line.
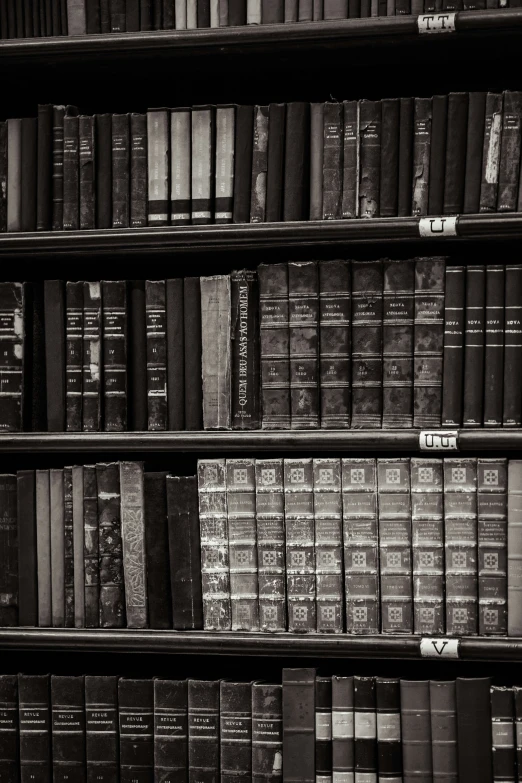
257,644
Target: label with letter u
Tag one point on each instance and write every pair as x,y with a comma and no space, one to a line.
438,227
439,648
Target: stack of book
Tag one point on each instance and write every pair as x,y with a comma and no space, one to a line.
450,154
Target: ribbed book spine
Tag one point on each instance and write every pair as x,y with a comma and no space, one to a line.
494,346
514,547
133,543
91,547
367,304
71,172
86,176
361,546
245,411
474,346
299,725
114,294
73,361
397,344
342,730
416,731
170,730
274,343
92,357
203,730
156,354
335,344
267,733
213,520
303,298
428,341
68,728
517,695
215,357
365,718
503,735
235,719
332,161
12,343
460,535
112,593
389,748
323,730
351,159
136,712
328,545
270,530
35,728
427,519
492,546
68,547
300,545
443,714
512,409
453,354
158,167
101,729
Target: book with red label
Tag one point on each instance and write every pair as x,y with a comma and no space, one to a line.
114,312
34,720
335,344
453,354
300,545
416,730
367,304
203,730
136,712
303,299
274,343
492,546
68,728
328,544
156,354
443,713
270,533
102,750
235,717
267,733
512,408
170,730
73,359
397,344
428,341
299,725
474,346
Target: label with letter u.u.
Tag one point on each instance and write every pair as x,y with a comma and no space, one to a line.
437,22
438,440
438,227
439,648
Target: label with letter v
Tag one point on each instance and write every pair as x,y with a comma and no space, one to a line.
439,648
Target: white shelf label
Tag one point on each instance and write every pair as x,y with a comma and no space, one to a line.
433,227
436,22
437,440
439,648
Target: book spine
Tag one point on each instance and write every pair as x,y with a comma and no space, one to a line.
342,730
492,546
323,729
397,344
389,157
328,545
54,317
405,176
111,598
474,346
114,295
71,166
92,365
491,153
193,347
428,341
225,137
416,730
453,352
69,547
365,719
427,546
299,725
175,354
332,161
389,748
180,167
101,729
170,730
422,112
44,197
74,362
460,535
509,164
43,547
503,734
9,549
68,728
91,547
103,162
215,333
92,14
474,729
133,543
57,548
136,714
370,140
443,714
274,345
27,544
303,316
86,173
245,350
35,728
259,165
517,695
156,318
475,139
235,718
297,162
137,357
514,547
367,304
57,171
335,344
215,569
120,170
158,167
316,160
12,342
78,547
300,545
455,169
243,163
4,176
14,175
203,730
138,170
494,346
28,174
439,134
267,733
351,159
270,533
512,407
202,165
9,767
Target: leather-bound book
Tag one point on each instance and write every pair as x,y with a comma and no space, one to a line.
120,170
86,172
91,547
243,148
335,344
78,547
274,345
112,594
202,163
509,165
333,124
428,341
259,165
351,159
59,114
43,547
389,157
323,728
397,344
474,144
460,536
101,729
303,302
328,545
105,17
213,521
361,548
9,548
275,166
439,134
136,711
54,305
370,161
422,122
103,163
514,548
114,297
57,548
170,730
235,707
297,161
405,157
13,364
117,16
365,745
267,733
35,403
491,153
71,173
34,727
453,352
512,407
158,167
394,501
4,176
137,356
443,714
215,354
133,541
270,533
300,545
9,764
494,345
68,547
299,725
203,730
342,728
474,346
14,175
503,734
192,331
157,14
389,748
316,160
416,731
185,554
224,184
456,153
157,550
92,357
74,355
175,355
29,174
138,170
474,730
92,17
68,728
517,695
44,162
427,518
245,408
367,303
156,355
27,586
180,166
145,15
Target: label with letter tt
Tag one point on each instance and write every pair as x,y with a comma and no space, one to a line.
437,22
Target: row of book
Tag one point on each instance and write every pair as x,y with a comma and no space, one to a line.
311,728
425,546
298,345
297,161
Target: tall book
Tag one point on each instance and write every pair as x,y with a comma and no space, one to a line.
170,729
455,169
91,564
9,575
416,730
491,153
224,175
367,304
44,200
303,301
138,170
422,116
243,163
175,354
114,312
332,161
157,549
512,407
474,143
509,164
133,543
203,730
202,164
351,159
9,732
517,695
389,748
300,545
73,356
267,733
474,346
54,321
192,353
389,157
92,361
342,729
68,728
34,727
299,725
112,594
136,712
397,344
180,166
297,157
453,353
443,715
370,160
427,519
438,154
235,716
335,344
101,728
213,521
328,545
275,170
156,354
215,356
323,729
492,546
494,345
503,734
12,343
103,173
428,341
158,167
259,165
460,536
27,548
514,548
365,719
86,147
270,534
43,547
120,170
245,412
474,729
405,156
361,546
57,507
274,345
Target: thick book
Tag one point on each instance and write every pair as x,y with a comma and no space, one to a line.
297,162
270,536
138,170
170,730
34,720
57,508
365,734
120,170
416,731
78,546
259,165
512,403
86,150
193,347
133,543
213,521
474,730
474,346
474,144
180,166
274,345
303,317
114,316
203,730
492,546
203,150
388,206
389,748
491,153
335,344
54,306
224,176
323,728
332,185
185,555
405,176
370,158
16,358
44,162
68,524
103,170
427,519
68,728
453,352
342,729
300,545
361,547
267,733
215,354
328,545
367,311
175,355
157,549
509,165
235,734
275,165
397,344
422,117
27,586
494,345
514,548
73,356
439,134
156,319
137,357
112,594
245,403
158,167
43,547
91,565
443,715
460,543
455,170
92,357
351,159
243,148
299,725
503,734
101,729
136,723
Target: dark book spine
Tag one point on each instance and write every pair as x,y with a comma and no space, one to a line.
92,14
517,695
71,166
439,133
101,729
512,408
175,355
453,359
405,157
9,550
180,166
297,160
351,160
390,157
416,730
300,545
157,550
156,355
136,712
474,144
342,728
103,168
158,168
86,164
235,706
57,175
299,725
57,529
3,177
509,165
132,16
55,354
369,183
36,400
443,714
361,546
14,174
120,170
145,15
491,153
68,728
137,357
328,545
259,165
274,345
138,170
170,730
303,317
114,297
73,368
474,346
365,744
333,123
323,729
335,344
494,346
367,304
12,344
78,546
44,199
503,734
168,14
68,547
456,153
43,546
111,595
316,160
203,730
474,730
389,748
92,357
275,169
492,546
237,13
245,350
91,547
243,149
192,332
157,9
35,728
397,344
27,567
421,155
117,16
28,180
267,733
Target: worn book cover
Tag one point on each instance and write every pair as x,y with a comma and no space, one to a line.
114,317
303,315
335,344
492,546
397,344
156,319
133,544
328,545
270,534
245,404
300,545
274,345
367,304
216,359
